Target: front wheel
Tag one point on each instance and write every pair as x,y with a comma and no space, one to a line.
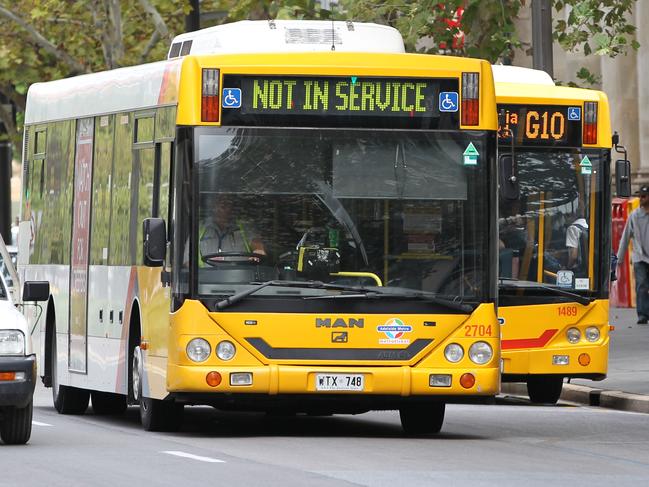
155,415
544,390
16,425
422,419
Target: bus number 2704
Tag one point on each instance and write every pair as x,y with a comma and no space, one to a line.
477,330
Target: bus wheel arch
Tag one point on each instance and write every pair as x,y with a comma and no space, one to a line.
155,415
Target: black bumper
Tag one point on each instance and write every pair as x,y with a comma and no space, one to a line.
18,393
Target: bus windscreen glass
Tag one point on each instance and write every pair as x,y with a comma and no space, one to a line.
400,205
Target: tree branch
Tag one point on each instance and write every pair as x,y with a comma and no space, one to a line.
10,92
155,37
115,17
7,119
159,23
74,65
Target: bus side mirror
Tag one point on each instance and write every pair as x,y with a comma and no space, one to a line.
155,241
36,291
623,178
509,187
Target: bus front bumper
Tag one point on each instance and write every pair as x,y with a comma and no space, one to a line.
283,379
589,362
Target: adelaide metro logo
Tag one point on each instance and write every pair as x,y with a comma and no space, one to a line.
394,330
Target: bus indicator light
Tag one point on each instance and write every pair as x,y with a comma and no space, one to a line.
213,379
590,122
470,98
210,96
467,380
584,359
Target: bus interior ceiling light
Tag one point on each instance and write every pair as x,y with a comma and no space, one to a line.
590,122
470,98
210,96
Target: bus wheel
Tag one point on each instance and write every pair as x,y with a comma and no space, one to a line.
67,400
544,389
155,415
422,419
108,403
16,425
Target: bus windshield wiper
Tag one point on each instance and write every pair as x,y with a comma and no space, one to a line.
382,293
235,298
509,282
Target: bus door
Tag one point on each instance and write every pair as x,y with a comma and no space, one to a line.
78,334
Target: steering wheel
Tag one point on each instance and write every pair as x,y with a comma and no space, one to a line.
217,258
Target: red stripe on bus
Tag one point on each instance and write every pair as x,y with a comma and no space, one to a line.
539,342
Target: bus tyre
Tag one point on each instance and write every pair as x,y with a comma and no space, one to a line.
422,419
16,425
108,403
544,390
155,415
67,400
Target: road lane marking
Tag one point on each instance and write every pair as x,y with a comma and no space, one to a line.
38,423
193,457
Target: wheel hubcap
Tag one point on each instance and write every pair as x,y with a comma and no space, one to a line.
136,373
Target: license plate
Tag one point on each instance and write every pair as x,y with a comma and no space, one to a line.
339,382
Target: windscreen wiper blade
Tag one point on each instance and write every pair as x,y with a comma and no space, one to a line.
377,294
583,300
235,298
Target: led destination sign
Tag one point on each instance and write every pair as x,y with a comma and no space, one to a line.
540,125
312,99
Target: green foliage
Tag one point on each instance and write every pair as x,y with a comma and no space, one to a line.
596,26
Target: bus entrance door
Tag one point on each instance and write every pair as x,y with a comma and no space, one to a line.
78,335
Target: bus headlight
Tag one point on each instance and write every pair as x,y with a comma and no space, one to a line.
453,352
592,334
225,350
12,342
480,353
198,350
573,335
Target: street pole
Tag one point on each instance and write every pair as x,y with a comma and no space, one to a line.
193,18
542,36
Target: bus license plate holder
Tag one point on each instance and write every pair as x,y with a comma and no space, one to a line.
339,382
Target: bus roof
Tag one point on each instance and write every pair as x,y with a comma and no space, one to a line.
518,74
254,36
122,89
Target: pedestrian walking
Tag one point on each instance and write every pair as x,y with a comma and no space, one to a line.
637,230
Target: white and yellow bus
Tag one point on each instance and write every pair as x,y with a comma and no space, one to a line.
554,227
361,189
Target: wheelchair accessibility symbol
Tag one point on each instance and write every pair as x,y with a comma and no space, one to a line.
231,98
448,101
574,113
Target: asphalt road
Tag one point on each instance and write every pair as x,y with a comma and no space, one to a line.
509,443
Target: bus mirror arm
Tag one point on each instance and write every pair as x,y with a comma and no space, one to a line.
622,170
155,241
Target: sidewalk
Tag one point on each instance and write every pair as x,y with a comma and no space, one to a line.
626,386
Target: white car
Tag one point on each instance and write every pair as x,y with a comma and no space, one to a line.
17,372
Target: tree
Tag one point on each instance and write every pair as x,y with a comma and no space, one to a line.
46,40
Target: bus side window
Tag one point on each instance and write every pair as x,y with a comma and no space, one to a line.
101,190
121,192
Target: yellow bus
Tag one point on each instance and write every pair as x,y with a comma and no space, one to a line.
297,231
554,229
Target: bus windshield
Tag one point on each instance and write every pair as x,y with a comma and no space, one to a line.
551,232
367,208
